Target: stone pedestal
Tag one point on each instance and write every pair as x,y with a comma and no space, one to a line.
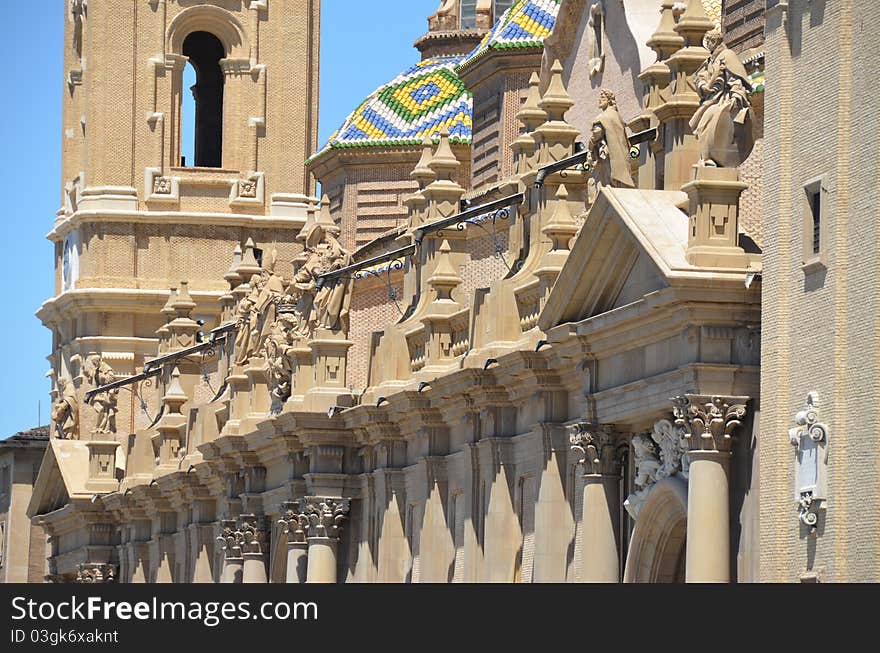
713,233
329,360
257,373
102,466
601,561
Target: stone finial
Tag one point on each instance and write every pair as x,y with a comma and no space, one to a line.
531,115
249,265
444,164
232,276
694,23
665,40
174,396
562,226
168,310
183,303
423,173
556,101
325,218
445,279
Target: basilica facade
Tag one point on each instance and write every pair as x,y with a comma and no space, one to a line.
580,301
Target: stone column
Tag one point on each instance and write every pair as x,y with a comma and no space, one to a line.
708,425
294,524
253,532
231,541
324,517
601,505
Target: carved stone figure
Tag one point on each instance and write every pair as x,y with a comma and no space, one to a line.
266,304
647,466
609,146
99,374
723,123
243,321
330,302
278,348
673,450
65,410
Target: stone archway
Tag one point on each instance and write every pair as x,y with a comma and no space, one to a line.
657,549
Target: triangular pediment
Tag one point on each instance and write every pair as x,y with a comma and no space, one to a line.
631,242
63,474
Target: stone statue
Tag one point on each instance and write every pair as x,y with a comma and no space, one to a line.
609,146
723,122
330,302
65,410
99,373
647,467
266,305
673,450
278,349
245,316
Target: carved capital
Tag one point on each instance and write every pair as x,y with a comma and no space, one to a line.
253,533
230,539
595,445
324,515
91,572
293,522
708,423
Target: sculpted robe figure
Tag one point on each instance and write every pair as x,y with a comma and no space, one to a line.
65,410
723,123
100,374
609,146
266,305
243,333
330,303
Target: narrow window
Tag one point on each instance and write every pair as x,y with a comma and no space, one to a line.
188,116
815,200
205,52
468,14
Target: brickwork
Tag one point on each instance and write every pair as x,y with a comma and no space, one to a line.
371,310
742,22
820,322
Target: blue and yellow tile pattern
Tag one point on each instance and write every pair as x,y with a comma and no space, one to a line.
525,25
421,101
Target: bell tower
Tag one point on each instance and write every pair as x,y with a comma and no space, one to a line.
137,218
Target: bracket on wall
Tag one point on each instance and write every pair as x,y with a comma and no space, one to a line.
810,437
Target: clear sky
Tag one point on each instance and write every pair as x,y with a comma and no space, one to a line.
363,45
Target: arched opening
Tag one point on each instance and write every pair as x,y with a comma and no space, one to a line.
188,116
204,51
657,550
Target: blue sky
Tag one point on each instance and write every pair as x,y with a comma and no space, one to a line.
363,45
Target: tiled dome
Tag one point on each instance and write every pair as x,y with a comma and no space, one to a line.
421,101
525,25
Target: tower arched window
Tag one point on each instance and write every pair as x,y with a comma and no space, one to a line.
205,51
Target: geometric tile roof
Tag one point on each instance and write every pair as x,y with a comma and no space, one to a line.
524,25
421,101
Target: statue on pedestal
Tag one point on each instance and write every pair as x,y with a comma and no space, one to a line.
723,123
99,373
609,146
65,410
330,302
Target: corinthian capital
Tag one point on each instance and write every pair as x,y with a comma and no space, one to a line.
253,533
595,445
230,539
90,572
324,516
293,522
708,423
